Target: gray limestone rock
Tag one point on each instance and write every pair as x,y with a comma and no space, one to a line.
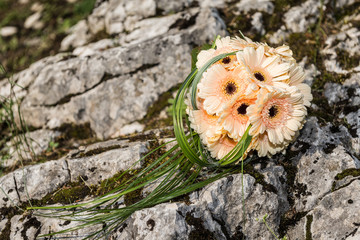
35,182
299,18
168,7
38,141
109,89
94,169
259,5
8,191
335,217
316,173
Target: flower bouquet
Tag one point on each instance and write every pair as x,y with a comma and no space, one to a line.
242,99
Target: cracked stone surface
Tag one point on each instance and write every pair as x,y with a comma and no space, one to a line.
39,141
311,190
79,90
334,209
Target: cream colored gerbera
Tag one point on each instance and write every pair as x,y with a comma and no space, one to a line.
222,146
235,119
283,51
223,45
279,114
266,148
264,71
297,76
240,43
218,86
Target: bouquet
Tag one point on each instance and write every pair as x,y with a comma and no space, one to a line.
242,99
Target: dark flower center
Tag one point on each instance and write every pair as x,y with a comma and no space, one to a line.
242,109
230,88
259,76
273,111
226,60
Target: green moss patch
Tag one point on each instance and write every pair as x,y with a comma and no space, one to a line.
348,172
309,220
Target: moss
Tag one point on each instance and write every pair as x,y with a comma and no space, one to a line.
8,213
152,120
309,220
290,218
70,193
340,13
273,22
199,232
345,61
31,222
73,131
97,151
348,172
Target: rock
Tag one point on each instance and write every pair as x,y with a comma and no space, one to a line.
37,7
30,180
149,224
299,18
316,173
334,217
259,5
258,23
80,36
279,36
8,191
38,141
215,211
94,169
98,46
168,7
114,18
34,22
129,129
143,8
96,20
346,40
79,90
8,31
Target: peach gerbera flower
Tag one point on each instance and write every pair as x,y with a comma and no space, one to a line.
235,119
264,71
279,113
223,45
221,146
218,86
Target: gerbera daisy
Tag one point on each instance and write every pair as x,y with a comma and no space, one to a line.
235,119
297,76
218,86
264,71
223,45
266,148
222,146
283,51
201,121
278,113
